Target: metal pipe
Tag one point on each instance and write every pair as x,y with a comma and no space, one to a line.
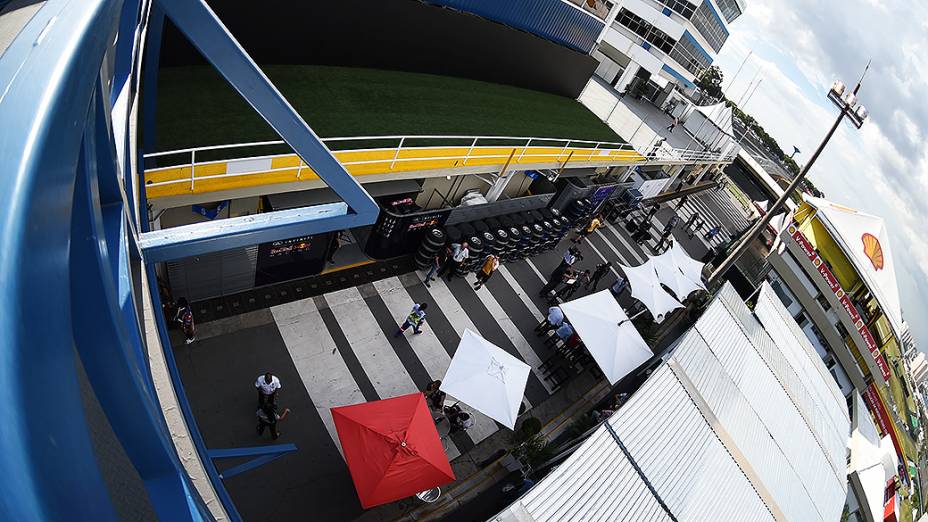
761,224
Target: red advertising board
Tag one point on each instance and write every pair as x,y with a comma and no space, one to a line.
875,404
846,303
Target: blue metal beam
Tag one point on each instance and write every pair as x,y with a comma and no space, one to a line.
223,234
47,76
265,453
101,332
207,33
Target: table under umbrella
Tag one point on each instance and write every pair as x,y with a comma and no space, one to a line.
392,448
608,334
487,378
646,287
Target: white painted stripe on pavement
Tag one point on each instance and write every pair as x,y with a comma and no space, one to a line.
454,313
625,243
532,307
512,332
367,340
535,269
429,351
317,360
600,254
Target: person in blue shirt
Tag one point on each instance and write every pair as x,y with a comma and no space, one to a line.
415,319
553,320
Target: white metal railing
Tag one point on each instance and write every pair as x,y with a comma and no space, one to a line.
528,147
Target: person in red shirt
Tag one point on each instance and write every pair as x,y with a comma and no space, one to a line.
184,316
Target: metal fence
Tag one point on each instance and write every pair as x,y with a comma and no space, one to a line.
411,151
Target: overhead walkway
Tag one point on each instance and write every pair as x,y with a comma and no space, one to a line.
189,180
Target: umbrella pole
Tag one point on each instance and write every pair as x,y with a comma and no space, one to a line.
623,321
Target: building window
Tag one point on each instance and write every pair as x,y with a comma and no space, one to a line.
778,289
709,25
730,9
599,8
651,34
681,7
688,54
823,302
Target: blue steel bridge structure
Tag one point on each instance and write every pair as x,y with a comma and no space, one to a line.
77,255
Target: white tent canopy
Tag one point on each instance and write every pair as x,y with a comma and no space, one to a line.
646,287
865,240
691,268
712,125
487,378
670,272
608,334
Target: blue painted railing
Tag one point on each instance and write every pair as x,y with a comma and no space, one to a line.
554,20
74,254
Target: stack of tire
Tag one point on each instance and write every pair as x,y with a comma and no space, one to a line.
510,237
578,212
435,240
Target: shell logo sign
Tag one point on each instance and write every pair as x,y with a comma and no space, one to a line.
873,250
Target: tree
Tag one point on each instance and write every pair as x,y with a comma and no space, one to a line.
710,81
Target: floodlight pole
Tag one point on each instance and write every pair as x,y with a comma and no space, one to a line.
762,223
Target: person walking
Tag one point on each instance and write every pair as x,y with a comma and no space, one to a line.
184,316
714,231
673,124
438,260
268,386
696,226
268,418
554,319
594,224
490,264
459,254
598,274
415,319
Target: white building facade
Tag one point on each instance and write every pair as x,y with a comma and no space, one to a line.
663,41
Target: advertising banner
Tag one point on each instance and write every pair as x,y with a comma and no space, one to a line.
859,324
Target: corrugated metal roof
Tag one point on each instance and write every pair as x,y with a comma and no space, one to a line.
717,432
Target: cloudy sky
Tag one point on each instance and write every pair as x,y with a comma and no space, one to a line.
799,47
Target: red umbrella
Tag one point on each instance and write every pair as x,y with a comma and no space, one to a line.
392,448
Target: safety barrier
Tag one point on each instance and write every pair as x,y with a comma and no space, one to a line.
410,154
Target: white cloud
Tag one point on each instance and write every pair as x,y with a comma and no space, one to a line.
801,46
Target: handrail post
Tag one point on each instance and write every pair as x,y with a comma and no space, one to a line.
593,151
193,167
566,144
527,143
471,149
299,170
392,163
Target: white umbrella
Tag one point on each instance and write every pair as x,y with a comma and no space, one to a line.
669,273
608,334
487,378
689,267
646,287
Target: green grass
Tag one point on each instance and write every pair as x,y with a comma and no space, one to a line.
197,108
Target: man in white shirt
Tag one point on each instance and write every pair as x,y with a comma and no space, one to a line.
459,254
267,386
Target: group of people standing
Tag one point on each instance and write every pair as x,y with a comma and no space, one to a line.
565,280
449,261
